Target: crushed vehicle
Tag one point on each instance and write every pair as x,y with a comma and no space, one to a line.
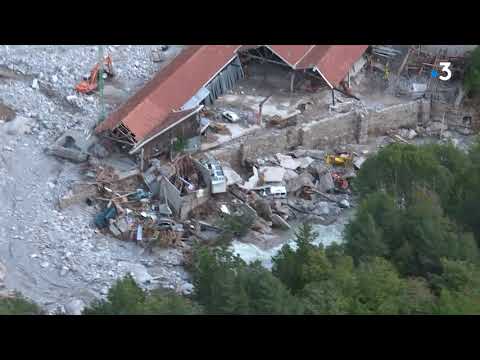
231,116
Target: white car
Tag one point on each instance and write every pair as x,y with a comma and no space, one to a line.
230,116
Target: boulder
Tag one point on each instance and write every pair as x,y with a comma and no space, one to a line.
6,113
344,204
74,307
99,151
316,154
435,128
464,130
18,126
263,209
447,134
138,271
278,221
358,162
288,162
304,179
318,169
289,175
305,162
411,134
322,208
272,174
186,289
325,183
261,226
298,153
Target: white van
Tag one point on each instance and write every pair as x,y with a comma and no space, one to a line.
277,192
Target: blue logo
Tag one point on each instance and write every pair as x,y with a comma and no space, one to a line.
434,73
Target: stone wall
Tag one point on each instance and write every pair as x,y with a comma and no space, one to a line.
338,129
394,117
465,119
326,131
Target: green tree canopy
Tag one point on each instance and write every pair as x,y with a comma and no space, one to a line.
225,284
125,297
18,305
472,74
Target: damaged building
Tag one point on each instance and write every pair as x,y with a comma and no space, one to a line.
168,108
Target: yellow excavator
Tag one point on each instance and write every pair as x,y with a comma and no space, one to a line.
339,159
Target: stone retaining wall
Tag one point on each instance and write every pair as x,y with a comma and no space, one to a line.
326,131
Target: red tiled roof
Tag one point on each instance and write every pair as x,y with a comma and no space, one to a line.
291,54
333,61
151,108
172,118
171,88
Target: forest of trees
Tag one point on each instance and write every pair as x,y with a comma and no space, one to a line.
411,248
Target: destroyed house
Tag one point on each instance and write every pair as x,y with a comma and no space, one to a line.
331,64
167,107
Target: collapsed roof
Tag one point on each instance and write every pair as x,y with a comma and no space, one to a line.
332,62
158,105
154,105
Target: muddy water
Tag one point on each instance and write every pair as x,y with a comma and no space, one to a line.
327,234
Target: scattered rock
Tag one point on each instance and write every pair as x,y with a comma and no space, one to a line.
6,113
323,208
18,126
186,289
464,130
263,209
64,271
3,271
138,272
104,291
344,204
325,183
358,162
35,84
74,307
305,179
99,151
278,221
45,264
435,128
411,134
447,134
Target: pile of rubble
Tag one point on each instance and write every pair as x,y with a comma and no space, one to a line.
300,185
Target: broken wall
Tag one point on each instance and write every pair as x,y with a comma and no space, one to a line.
182,205
161,144
338,129
330,130
465,119
191,201
393,117
205,173
173,195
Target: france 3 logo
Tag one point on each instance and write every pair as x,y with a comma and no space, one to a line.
445,69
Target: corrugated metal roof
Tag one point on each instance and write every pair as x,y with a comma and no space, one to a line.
170,89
